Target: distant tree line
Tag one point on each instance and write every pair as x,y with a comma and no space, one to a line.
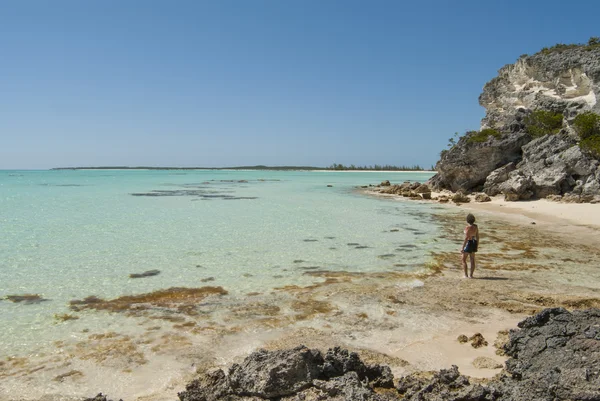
387,167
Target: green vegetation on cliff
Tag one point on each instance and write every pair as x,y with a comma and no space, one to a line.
482,136
543,122
593,42
587,126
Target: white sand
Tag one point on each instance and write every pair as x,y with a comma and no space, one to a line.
577,221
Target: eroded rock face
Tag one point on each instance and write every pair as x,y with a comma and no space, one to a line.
551,165
467,165
516,164
566,82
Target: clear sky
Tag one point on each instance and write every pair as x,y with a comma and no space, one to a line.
275,82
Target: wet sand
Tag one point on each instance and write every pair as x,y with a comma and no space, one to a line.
409,321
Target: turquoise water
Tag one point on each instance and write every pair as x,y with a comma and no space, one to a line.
71,234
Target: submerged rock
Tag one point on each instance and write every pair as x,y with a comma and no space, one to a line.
26,298
148,273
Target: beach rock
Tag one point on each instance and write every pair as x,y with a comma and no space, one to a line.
497,177
477,341
517,187
297,373
385,183
484,362
459,197
443,199
423,189
148,273
462,339
482,198
445,385
426,195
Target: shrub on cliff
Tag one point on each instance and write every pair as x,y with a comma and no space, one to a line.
587,124
482,136
543,122
591,145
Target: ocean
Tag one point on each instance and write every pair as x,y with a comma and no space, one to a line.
72,234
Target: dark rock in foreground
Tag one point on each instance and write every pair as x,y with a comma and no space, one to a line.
294,374
555,355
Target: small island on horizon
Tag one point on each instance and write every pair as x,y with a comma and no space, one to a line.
333,167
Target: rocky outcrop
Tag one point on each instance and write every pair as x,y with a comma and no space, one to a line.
554,356
551,165
295,374
467,165
511,161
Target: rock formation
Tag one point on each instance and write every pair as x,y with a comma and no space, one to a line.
507,156
555,355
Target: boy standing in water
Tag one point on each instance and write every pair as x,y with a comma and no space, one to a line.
469,246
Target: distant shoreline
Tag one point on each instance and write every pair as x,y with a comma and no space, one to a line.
249,168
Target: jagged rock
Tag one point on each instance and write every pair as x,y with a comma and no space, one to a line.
478,341
565,81
467,165
460,198
385,183
462,339
555,164
497,177
423,189
426,195
293,374
482,198
443,199
445,385
517,187
555,356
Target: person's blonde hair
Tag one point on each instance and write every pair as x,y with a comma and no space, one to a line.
470,218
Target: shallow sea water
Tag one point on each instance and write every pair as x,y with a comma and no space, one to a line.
71,234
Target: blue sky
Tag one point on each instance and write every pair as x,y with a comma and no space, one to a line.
226,83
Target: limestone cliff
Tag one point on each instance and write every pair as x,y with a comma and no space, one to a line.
518,151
